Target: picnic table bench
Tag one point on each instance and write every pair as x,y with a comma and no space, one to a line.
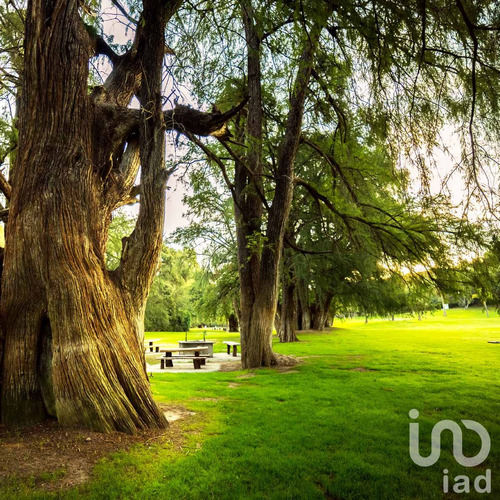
167,360
149,344
199,343
234,345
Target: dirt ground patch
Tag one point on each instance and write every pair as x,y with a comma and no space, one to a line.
283,364
230,366
206,399
287,369
361,369
174,413
59,458
286,362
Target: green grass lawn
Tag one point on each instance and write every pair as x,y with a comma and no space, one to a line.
336,426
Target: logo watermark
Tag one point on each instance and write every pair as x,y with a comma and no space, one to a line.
482,484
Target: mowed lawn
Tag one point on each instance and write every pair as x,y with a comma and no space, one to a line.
336,426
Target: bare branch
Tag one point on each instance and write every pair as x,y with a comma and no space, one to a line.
212,156
120,7
102,48
5,187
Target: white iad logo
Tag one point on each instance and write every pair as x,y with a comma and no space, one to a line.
462,483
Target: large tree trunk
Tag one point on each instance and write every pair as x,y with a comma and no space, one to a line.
256,336
73,332
73,338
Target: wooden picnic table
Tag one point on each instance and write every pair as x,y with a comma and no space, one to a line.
149,344
199,343
167,360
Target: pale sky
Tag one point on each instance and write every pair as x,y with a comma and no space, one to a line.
176,189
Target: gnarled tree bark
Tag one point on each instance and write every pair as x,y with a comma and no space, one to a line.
73,330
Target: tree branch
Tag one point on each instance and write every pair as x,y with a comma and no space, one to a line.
102,48
377,228
475,43
131,199
211,156
5,187
290,244
120,188
125,79
276,28
334,165
341,116
142,249
122,10
116,123
191,121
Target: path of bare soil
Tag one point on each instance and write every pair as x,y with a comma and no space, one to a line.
60,458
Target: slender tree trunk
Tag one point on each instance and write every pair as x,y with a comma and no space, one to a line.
256,322
288,310
443,305
277,318
233,322
318,318
486,309
305,322
259,253
237,312
299,315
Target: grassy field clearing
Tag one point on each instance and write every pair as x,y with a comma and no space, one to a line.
336,426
